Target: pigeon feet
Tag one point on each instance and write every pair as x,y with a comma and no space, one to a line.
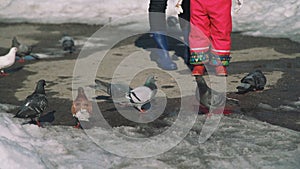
3,74
78,126
38,123
21,60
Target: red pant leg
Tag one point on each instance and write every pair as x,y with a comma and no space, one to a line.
200,27
221,26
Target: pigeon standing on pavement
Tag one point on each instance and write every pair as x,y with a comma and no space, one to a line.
81,107
34,104
7,60
255,80
23,49
142,95
68,43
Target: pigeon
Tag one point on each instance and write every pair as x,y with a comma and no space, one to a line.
208,97
173,25
255,80
81,107
68,43
34,104
142,95
115,91
23,49
211,99
172,21
7,60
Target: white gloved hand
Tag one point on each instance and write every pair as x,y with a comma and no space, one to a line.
178,7
238,5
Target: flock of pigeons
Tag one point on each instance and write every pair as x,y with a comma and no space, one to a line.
22,50
81,109
36,103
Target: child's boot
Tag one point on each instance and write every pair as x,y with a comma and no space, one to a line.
198,60
221,63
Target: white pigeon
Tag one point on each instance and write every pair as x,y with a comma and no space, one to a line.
142,95
7,60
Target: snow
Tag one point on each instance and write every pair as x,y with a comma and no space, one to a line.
277,18
239,142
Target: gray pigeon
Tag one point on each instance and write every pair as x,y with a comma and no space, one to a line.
34,104
255,80
7,60
208,97
142,95
115,91
68,44
211,99
23,49
173,25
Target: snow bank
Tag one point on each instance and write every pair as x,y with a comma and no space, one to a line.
277,18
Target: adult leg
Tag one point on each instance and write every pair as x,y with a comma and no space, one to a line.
157,21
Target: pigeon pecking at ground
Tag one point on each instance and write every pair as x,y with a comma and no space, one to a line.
68,44
23,49
206,96
211,99
34,104
255,80
142,95
81,107
7,60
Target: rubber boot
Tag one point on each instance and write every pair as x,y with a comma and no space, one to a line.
221,62
198,60
186,53
163,59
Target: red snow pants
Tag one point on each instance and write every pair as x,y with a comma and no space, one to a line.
211,26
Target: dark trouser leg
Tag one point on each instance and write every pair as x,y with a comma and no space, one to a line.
157,21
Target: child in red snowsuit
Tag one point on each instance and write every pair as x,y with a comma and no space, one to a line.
209,38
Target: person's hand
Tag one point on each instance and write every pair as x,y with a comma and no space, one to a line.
178,7
238,5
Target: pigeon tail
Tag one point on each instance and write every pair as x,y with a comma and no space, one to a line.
104,86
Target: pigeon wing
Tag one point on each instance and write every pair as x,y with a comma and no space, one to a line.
33,106
141,95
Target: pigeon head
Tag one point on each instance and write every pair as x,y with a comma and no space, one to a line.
80,90
40,87
13,50
172,21
201,84
81,93
150,82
